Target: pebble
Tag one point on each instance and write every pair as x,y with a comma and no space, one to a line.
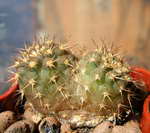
22,126
104,127
80,118
6,119
49,125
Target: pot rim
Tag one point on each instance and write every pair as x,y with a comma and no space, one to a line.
10,90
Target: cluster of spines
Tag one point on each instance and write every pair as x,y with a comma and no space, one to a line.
31,52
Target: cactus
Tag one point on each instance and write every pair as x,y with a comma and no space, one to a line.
53,80
43,70
104,78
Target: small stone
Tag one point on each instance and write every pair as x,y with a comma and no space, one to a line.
129,127
80,118
6,119
104,127
66,128
49,125
23,126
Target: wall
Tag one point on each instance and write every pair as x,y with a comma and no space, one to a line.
123,22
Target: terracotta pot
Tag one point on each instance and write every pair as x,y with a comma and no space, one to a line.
145,120
8,98
4,93
141,75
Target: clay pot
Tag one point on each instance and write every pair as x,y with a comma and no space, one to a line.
145,120
9,98
6,93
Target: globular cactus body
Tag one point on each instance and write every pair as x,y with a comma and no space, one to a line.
43,72
109,89
103,76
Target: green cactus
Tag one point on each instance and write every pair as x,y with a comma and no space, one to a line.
43,71
53,80
103,77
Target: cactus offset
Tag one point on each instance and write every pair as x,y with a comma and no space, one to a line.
103,77
43,71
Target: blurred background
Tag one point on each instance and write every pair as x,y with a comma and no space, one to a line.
126,23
